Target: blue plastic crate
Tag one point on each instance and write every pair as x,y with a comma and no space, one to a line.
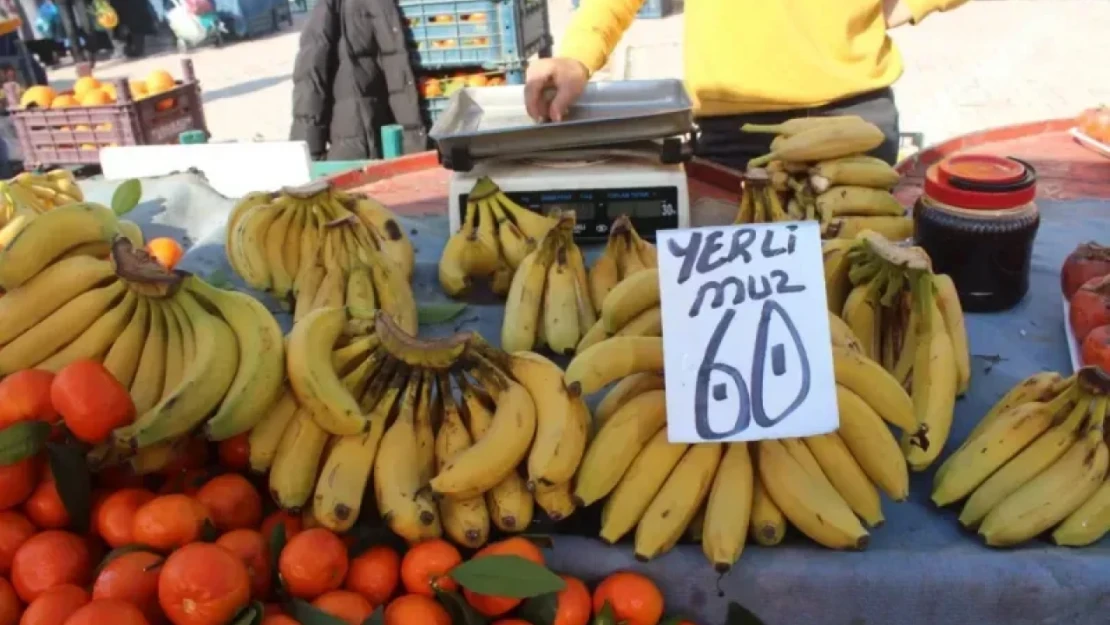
432,107
488,33
652,9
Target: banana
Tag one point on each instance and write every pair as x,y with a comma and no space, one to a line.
310,246
812,505
333,288
861,313
156,458
557,500
316,384
953,315
308,286
97,339
616,445
767,525
49,235
266,435
202,387
258,381
842,335
27,306
1037,387
497,452
794,126
728,510
395,244
394,292
453,277
1051,496
511,506
626,505
533,224
291,248
175,349
623,391
847,477
562,424
525,300
611,360
892,228
603,276
1089,523
592,336
465,521
628,261
676,503
843,200
122,359
646,252
484,252
515,245
360,298
867,379
560,304
823,142
188,335
934,387
859,170
273,245
872,444
296,461
978,458
59,328
425,434
1024,467
146,386
587,314
647,323
250,246
834,256
404,503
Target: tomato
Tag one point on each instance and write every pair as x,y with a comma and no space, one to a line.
1096,349
1095,123
1089,260
1090,307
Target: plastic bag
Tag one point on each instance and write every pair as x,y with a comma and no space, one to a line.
185,25
199,7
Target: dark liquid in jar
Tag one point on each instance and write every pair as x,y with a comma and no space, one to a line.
987,259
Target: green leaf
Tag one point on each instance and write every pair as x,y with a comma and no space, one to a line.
432,314
605,615
22,440
507,576
126,196
117,552
459,609
540,610
250,615
377,617
307,614
277,543
74,483
739,615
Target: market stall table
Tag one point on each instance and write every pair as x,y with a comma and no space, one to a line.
920,568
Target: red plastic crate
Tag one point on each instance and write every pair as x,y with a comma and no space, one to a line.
74,136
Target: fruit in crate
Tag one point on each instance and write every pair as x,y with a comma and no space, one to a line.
431,88
84,85
96,97
38,95
63,101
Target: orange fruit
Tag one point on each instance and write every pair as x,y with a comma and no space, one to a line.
347,606
44,507
15,529
17,482
168,521
25,396
410,609
115,516
138,89
635,599
55,605
132,577
91,401
235,452
232,502
426,565
95,97
159,80
10,608
312,563
250,547
166,251
291,522
110,89
492,605
203,584
103,611
50,559
38,95
374,574
279,619
118,478
573,603
84,85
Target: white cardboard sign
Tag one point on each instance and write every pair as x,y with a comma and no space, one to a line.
746,339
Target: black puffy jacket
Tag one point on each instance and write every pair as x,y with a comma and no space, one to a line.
352,76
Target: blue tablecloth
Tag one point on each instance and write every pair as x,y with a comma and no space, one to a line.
921,568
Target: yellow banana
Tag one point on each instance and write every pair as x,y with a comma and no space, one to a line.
617,444
631,297
360,298
465,521
250,246
934,387
794,126
296,461
561,421
843,200
861,313
49,236
847,477
97,339
273,246
266,435
728,510
511,506
557,500
27,306
767,525
308,285
623,391
1088,523
592,336
867,379
626,505
525,301
951,311
175,349
453,277
146,386
122,359
515,245
532,224
864,171
892,228
611,360
291,248
842,335
647,323
603,276
390,234
872,444
394,292
823,142
834,256
587,314
560,304
188,335
1037,387
425,434
676,503
316,384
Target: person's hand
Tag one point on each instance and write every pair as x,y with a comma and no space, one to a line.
567,77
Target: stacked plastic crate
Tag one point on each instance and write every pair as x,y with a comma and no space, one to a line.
472,43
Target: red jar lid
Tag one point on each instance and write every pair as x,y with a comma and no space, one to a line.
981,182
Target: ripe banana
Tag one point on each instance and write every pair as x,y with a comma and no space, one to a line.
266,435
1037,387
794,126
893,228
49,236
728,510
949,302
678,501
249,246
842,335
626,505
146,386
274,241
628,299
27,306
389,233
822,142
316,384
872,444
175,349
834,255
867,379
611,360
510,504
859,170
557,501
560,304
296,461
562,423
97,339
862,314
767,525
465,521
617,444
842,201
1089,523
525,300
122,359
934,387
604,275
847,477
623,391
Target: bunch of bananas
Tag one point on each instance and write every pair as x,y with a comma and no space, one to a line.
315,246
495,237
819,164
454,435
625,254
549,296
909,320
1038,460
719,493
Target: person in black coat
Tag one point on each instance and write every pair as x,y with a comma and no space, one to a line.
351,77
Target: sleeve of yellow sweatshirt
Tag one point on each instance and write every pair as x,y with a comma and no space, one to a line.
920,9
595,29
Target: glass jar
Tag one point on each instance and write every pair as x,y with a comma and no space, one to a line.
977,219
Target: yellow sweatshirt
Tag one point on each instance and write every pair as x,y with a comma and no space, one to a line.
745,56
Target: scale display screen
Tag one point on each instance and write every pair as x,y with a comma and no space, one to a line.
651,209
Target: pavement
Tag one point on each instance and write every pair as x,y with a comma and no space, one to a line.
988,63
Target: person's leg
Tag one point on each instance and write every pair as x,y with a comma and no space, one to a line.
73,36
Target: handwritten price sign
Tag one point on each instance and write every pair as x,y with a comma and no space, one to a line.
745,333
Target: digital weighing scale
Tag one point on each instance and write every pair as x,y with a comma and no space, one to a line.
620,152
